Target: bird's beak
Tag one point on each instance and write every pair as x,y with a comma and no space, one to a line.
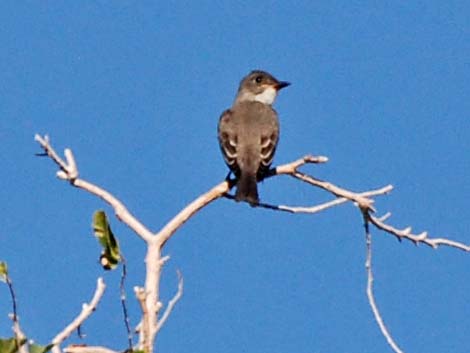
282,84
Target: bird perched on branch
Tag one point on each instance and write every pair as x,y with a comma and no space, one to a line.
249,131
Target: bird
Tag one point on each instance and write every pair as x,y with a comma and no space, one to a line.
248,132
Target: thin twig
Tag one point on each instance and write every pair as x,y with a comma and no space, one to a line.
370,292
87,310
326,205
362,202
292,170
172,302
361,199
49,151
416,238
69,172
125,313
19,335
13,297
165,259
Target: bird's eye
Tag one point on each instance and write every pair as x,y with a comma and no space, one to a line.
258,79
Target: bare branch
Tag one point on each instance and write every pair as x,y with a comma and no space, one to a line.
87,310
385,216
49,151
370,291
72,165
164,259
361,199
291,168
362,202
220,190
172,226
148,296
416,238
172,302
68,171
326,205
88,349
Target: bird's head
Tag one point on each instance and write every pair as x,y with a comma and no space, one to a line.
259,86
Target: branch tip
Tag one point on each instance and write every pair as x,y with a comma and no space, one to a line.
422,236
164,259
385,216
87,310
62,175
72,166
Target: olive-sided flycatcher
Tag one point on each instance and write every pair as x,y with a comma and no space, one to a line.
249,131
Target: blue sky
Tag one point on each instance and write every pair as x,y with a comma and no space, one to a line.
136,90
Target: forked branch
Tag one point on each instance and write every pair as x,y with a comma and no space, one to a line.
69,171
148,296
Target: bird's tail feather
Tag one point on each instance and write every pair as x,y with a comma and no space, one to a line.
247,190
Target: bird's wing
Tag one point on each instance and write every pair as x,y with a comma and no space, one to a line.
228,138
268,147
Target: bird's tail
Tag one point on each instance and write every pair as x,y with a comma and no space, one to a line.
247,190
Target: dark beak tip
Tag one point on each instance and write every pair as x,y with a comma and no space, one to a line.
283,84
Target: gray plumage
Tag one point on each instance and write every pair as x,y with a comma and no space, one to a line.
249,132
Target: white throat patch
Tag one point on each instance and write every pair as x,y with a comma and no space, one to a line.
267,97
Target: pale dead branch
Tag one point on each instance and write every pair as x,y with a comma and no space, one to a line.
68,171
370,289
415,238
148,296
174,224
87,310
326,205
172,302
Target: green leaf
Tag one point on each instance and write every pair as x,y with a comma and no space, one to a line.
110,255
36,348
10,345
3,274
